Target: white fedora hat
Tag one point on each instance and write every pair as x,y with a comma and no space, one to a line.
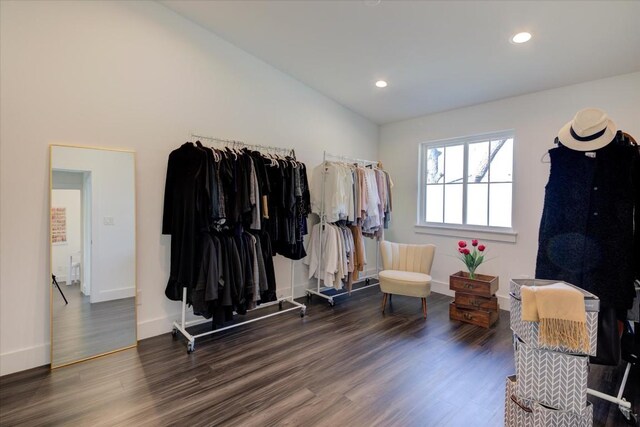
589,130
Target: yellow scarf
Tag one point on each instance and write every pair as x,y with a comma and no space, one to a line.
560,310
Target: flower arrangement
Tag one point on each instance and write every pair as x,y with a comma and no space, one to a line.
471,258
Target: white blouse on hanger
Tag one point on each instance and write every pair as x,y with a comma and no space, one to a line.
339,203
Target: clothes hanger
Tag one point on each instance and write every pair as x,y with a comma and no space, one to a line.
545,158
630,138
272,159
230,151
291,161
216,155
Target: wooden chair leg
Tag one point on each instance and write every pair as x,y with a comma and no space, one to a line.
424,307
384,301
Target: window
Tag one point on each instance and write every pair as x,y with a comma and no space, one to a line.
467,182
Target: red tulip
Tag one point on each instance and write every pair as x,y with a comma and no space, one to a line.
461,250
481,248
474,242
466,251
462,244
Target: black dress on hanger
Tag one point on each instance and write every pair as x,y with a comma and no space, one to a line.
590,231
587,228
186,212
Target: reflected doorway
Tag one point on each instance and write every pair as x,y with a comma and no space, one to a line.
71,230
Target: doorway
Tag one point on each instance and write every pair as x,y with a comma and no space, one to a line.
71,230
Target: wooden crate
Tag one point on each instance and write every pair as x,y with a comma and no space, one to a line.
481,318
482,285
474,302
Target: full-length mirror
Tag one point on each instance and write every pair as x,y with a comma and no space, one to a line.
93,253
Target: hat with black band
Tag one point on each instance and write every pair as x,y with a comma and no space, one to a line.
590,129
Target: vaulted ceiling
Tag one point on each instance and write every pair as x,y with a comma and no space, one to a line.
435,55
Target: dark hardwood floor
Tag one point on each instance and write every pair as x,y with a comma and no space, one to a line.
82,329
343,366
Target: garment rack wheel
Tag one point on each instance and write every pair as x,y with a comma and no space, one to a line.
191,347
332,303
309,296
303,311
367,282
279,305
174,333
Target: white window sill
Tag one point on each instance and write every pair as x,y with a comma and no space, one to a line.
469,232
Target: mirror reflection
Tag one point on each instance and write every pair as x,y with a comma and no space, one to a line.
93,266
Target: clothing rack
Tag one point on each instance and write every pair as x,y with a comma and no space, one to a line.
320,290
623,404
191,344
348,159
184,324
240,144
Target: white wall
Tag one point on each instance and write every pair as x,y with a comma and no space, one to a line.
130,75
70,200
111,196
536,119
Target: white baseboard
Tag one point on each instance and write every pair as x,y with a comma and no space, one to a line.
23,359
443,288
113,294
31,357
162,325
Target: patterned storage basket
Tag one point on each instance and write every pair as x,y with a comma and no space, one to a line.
520,412
557,380
528,331
517,412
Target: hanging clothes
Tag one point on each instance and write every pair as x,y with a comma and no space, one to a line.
334,192
186,212
323,254
228,213
587,228
352,193
360,255
356,202
288,207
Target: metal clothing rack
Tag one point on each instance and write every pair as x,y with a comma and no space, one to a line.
623,404
191,344
241,144
320,290
183,325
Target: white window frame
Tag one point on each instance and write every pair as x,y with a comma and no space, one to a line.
503,234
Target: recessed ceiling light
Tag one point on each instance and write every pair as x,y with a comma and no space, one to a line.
521,38
381,83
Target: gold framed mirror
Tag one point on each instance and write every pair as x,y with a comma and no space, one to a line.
92,235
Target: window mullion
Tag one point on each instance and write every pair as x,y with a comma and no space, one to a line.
444,182
465,172
423,202
488,180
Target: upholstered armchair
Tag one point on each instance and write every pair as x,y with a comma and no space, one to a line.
407,270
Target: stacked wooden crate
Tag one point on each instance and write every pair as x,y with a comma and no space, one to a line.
475,301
